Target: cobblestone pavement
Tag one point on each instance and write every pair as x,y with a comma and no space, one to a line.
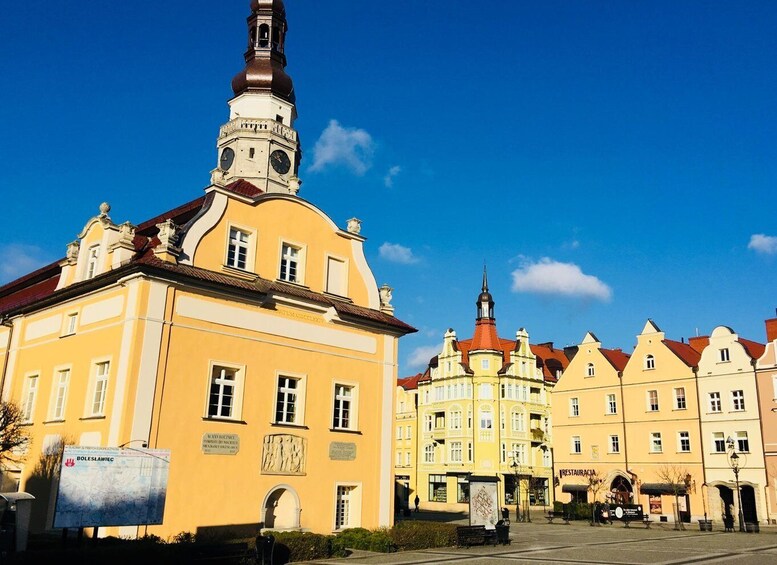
557,544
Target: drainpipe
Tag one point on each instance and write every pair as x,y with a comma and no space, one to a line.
701,441
623,425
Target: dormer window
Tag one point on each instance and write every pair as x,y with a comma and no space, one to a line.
237,250
291,258
650,362
590,371
93,255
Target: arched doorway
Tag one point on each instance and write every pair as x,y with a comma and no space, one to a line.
621,490
726,503
280,510
747,493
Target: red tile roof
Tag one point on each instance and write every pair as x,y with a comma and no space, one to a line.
553,360
684,352
410,383
699,342
485,335
754,349
244,188
616,357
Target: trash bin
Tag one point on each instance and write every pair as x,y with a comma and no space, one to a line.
265,546
752,527
15,520
502,532
705,525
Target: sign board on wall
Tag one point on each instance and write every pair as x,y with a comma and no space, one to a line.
102,486
220,444
655,503
342,451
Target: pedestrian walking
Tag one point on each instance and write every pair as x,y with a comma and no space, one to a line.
417,502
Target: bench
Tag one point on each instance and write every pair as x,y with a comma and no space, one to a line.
474,535
553,514
645,519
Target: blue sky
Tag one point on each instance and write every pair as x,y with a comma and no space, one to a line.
609,161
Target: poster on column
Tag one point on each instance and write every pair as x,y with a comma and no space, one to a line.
483,502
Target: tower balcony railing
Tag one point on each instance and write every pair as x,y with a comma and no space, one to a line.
253,125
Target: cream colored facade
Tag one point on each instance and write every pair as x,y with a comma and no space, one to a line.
405,442
730,419
246,313
483,409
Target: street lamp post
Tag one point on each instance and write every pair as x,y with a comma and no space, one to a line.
735,464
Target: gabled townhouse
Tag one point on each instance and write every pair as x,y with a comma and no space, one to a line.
588,424
766,379
730,423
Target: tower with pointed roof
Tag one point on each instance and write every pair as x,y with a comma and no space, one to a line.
259,143
483,408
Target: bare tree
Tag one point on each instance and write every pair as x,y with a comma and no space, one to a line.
595,485
14,435
678,479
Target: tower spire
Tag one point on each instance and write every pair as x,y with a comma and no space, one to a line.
485,302
485,337
259,143
485,279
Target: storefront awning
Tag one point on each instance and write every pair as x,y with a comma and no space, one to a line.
574,488
661,488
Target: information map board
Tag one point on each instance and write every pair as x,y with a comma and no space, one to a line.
103,486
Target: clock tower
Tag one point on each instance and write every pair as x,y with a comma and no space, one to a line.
259,143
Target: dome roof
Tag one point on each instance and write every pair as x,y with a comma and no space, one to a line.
267,75
274,5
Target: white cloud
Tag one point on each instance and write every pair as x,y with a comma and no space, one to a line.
397,253
760,243
339,146
19,260
388,180
420,356
552,277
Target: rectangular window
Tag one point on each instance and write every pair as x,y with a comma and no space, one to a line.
428,422
652,400
737,400
611,405
615,444
92,258
484,363
290,263
221,398
336,276
429,453
577,446
438,488
71,322
743,444
724,355
655,443
462,494
343,510
714,401
455,456
288,402
30,393
455,420
237,250
100,388
399,432
407,459
679,398
719,442
517,421
61,382
684,442
469,452
398,459
574,407
408,434
342,418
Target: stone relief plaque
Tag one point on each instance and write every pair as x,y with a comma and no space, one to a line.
342,451
220,444
284,454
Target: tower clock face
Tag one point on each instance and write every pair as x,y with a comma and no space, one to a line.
280,161
227,157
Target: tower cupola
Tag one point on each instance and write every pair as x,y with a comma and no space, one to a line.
485,302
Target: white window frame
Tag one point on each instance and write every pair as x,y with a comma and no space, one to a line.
101,371
299,263
682,439
718,442
725,355
92,261
483,412
742,441
238,385
429,453
59,392
590,370
347,506
31,386
399,432
610,404
576,445
656,442
454,421
456,452
714,402
680,399
249,246
517,421
574,407
298,401
738,401
649,401
615,444
352,409
69,323
650,362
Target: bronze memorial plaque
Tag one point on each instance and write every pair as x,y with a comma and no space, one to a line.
342,451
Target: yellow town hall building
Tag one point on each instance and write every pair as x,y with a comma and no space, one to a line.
246,315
